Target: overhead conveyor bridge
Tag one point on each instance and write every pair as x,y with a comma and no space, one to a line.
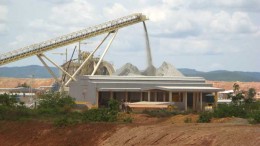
38,49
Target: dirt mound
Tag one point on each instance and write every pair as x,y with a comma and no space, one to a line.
38,133
233,120
186,134
191,118
144,130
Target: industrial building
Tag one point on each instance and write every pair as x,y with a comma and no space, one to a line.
183,92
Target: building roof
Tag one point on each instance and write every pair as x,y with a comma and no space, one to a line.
166,88
190,89
119,89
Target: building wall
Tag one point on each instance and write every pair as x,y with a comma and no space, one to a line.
86,87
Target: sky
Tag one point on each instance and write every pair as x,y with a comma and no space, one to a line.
205,35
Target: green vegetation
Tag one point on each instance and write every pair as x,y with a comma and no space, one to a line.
242,106
159,113
60,109
205,117
57,108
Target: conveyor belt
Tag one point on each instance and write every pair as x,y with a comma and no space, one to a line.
64,40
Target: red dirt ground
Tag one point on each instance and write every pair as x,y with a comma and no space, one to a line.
35,83
229,85
143,131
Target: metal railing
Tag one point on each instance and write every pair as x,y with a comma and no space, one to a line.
64,40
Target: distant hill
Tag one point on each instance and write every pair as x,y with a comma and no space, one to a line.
218,75
27,72
223,75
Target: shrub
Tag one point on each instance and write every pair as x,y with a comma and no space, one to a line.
7,100
55,103
159,113
15,113
113,106
255,116
99,115
65,121
230,111
205,117
128,120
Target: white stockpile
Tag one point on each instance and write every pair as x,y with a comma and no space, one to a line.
166,69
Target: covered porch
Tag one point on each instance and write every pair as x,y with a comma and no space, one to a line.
184,98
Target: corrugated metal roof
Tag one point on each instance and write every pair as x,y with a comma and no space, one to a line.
119,89
201,89
102,77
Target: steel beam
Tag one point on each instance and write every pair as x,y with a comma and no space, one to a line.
58,66
86,60
74,37
104,53
48,68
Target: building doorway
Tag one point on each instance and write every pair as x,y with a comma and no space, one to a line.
190,100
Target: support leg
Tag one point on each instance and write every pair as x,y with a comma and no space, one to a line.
86,60
48,68
104,53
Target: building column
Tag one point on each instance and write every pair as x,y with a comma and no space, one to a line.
149,96
193,100
97,98
201,101
164,96
111,94
126,96
197,101
216,99
170,96
141,96
185,101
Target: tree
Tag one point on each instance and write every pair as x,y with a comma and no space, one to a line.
7,100
25,85
237,96
250,95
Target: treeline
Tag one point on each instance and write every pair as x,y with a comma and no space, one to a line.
243,105
58,108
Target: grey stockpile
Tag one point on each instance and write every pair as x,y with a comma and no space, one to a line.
166,69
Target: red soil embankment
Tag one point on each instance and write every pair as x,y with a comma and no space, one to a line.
229,85
14,82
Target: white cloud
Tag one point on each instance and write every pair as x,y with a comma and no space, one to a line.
3,13
238,22
208,29
3,18
3,27
43,25
74,12
117,10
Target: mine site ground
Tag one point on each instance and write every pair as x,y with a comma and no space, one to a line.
144,130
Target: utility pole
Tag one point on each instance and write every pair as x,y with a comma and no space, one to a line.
66,53
79,51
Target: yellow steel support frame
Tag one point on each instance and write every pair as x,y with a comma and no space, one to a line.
93,31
